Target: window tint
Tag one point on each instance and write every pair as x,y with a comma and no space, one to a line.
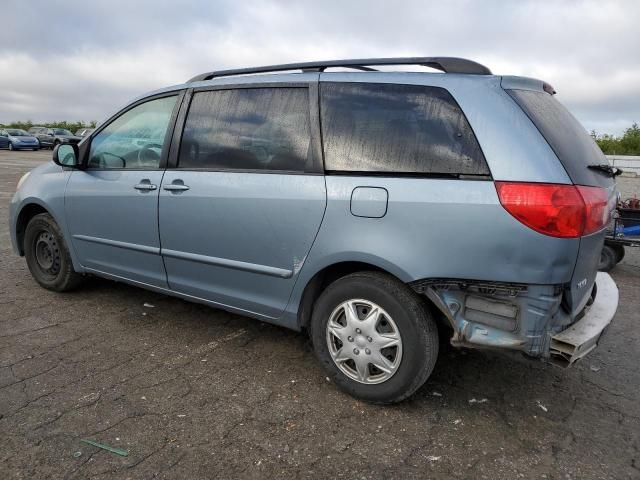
135,139
571,143
251,128
396,128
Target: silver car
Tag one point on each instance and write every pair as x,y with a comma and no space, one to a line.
370,209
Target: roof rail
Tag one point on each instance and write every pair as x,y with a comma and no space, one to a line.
445,64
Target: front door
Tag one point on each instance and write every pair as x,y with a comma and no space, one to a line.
112,205
240,212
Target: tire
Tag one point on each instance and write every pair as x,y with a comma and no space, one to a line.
607,259
48,256
11,147
619,251
408,364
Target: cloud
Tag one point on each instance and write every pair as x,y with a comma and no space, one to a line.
81,60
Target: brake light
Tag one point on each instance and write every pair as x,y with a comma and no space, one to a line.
565,211
596,208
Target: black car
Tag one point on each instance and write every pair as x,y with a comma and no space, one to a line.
50,137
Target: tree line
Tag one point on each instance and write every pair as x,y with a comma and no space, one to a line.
627,144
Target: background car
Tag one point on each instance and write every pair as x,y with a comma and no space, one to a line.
50,137
83,132
17,139
4,139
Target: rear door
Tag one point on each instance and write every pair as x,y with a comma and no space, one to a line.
112,205
240,211
577,151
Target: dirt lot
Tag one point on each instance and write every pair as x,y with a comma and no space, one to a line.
193,392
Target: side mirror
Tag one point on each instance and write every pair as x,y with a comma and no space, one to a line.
66,155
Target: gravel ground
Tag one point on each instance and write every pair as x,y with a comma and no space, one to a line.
193,392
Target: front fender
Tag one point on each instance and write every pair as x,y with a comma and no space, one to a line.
45,187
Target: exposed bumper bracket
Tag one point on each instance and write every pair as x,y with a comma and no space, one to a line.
580,338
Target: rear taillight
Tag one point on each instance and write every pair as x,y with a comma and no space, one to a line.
565,211
597,212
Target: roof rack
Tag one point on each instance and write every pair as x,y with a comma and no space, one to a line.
445,64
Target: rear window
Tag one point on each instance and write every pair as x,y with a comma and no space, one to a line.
571,143
248,129
397,129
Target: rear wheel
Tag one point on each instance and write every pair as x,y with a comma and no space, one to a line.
374,336
608,259
47,255
619,251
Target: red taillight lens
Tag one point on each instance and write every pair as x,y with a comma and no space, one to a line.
565,211
596,208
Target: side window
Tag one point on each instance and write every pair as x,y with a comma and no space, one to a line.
135,139
248,129
397,129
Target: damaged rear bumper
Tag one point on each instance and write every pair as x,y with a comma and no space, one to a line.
582,337
527,318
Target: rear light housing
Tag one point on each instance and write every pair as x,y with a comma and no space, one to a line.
564,211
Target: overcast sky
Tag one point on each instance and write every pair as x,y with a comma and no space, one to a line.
80,60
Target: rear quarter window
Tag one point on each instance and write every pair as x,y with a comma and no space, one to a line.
571,143
397,129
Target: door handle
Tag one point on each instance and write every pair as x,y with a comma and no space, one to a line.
176,187
145,187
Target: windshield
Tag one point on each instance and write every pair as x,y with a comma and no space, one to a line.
16,132
61,131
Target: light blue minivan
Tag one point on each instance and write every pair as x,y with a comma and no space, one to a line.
372,209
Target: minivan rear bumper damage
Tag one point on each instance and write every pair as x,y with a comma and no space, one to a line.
582,337
528,318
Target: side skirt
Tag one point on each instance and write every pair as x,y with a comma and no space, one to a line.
189,298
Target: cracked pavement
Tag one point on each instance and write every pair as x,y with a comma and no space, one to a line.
193,392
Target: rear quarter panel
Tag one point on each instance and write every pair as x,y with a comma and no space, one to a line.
435,228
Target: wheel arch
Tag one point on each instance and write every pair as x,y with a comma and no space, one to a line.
327,275
27,212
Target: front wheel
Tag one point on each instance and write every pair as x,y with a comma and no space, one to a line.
47,255
375,337
11,146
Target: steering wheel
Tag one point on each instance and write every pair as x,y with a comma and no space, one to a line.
149,154
105,164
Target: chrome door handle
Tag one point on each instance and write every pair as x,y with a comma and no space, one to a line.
175,187
145,187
